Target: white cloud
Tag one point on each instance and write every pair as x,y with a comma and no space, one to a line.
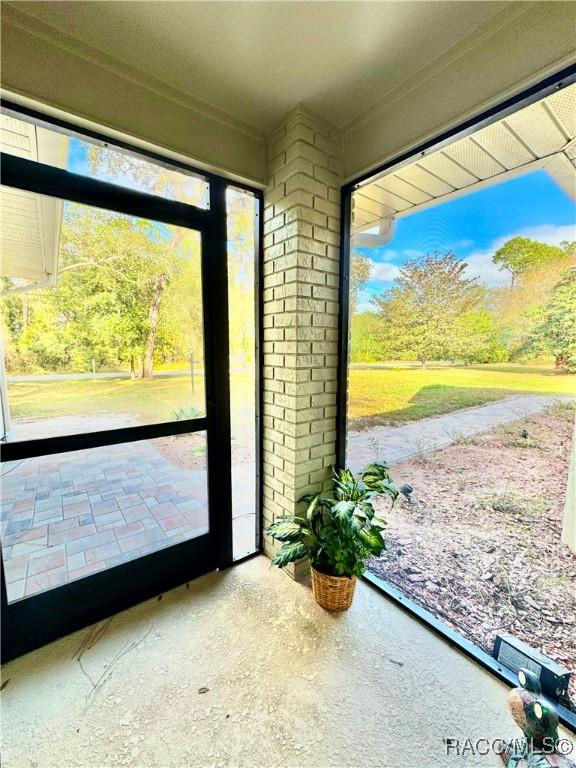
411,253
480,265
365,306
384,273
548,233
480,262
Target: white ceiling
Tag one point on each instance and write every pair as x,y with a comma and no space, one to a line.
257,60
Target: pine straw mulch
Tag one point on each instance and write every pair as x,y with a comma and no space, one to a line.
479,544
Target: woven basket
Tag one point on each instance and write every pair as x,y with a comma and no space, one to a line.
335,593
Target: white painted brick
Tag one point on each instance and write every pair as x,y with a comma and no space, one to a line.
275,279
325,206
304,388
298,132
323,374
300,288
322,292
277,164
307,214
300,149
325,236
330,148
285,291
296,198
285,262
305,182
334,225
273,334
301,116
334,195
274,223
299,166
306,244
273,194
294,229
328,177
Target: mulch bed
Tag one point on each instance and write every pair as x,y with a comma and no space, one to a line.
479,543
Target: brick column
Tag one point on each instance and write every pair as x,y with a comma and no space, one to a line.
301,265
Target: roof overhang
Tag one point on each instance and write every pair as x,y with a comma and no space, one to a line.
30,224
541,136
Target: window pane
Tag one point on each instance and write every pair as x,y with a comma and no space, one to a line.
462,376
241,208
21,136
101,319
73,514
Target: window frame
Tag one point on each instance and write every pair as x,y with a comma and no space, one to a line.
522,98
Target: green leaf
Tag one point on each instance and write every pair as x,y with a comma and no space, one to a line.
285,529
312,506
379,468
288,553
343,515
372,540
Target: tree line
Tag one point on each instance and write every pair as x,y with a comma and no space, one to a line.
435,311
128,294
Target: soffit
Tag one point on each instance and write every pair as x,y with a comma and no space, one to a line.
30,224
540,136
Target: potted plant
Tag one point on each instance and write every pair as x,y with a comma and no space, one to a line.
338,533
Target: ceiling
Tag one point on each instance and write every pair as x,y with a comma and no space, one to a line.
540,136
257,60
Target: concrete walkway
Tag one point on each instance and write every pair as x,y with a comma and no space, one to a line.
392,444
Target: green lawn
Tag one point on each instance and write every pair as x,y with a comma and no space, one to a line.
144,401
382,396
396,395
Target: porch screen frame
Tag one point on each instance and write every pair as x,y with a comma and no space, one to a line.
158,571
546,87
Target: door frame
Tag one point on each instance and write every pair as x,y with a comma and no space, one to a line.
33,621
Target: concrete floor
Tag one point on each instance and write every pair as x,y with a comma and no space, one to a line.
288,685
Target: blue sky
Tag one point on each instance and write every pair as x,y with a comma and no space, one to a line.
474,227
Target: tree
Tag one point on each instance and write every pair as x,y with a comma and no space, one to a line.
421,318
516,308
359,274
476,339
556,331
140,174
521,254
119,279
365,338
129,291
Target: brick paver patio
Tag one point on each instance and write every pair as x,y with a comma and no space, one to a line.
69,515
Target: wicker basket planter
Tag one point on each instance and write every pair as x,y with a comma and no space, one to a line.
335,593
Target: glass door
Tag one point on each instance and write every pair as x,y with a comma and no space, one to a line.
115,478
